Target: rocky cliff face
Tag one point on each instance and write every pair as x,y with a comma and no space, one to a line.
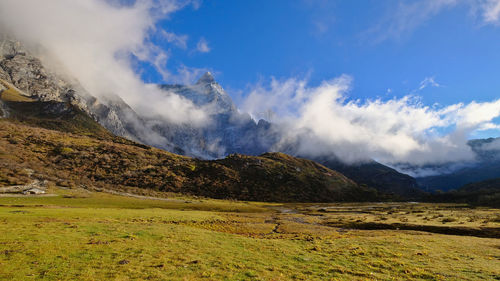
229,132
27,73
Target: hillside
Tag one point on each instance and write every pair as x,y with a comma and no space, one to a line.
39,97
72,160
385,179
484,193
73,150
486,166
461,177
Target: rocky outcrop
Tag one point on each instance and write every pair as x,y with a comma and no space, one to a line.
35,187
230,131
27,73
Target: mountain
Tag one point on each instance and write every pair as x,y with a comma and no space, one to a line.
371,173
486,166
32,154
237,133
24,74
53,130
64,116
230,131
483,193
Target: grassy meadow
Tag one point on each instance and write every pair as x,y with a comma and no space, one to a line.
81,235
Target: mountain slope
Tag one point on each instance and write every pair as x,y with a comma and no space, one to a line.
66,159
384,179
60,116
485,167
238,133
25,74
484,193
277,175
230,132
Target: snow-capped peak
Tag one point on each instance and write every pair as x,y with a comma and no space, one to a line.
207,78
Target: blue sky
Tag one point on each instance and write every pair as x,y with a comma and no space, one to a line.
251,41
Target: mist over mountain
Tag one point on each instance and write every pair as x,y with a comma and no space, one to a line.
311,119
382,139
230,130
249,140
486,166
227,130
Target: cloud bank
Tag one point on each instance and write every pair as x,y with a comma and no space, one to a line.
321,120
96,42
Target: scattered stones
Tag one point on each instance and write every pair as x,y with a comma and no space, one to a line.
36,187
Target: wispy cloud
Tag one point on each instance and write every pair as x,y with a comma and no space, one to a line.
202,46
491,11
407,16
188,75
178,40
428,82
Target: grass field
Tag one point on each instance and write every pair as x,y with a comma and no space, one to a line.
78,235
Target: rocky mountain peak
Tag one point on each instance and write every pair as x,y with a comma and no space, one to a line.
207,78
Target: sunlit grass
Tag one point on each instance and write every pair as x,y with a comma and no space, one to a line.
98,236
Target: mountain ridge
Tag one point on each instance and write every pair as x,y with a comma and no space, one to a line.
230,132
486,166
75,160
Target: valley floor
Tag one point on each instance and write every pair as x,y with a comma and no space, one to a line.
79,235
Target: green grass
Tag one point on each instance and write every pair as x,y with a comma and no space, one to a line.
109,237
85,199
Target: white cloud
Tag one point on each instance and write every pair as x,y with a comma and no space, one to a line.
489,126
428,81
93,41
409,15
321,120
202,46
188,75
491,11
179,40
